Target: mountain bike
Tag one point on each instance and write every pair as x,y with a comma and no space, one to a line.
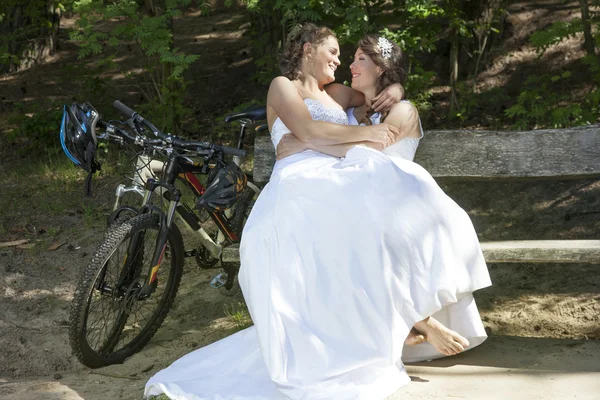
209,249
124,294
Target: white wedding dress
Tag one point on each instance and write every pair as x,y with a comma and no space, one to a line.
339,259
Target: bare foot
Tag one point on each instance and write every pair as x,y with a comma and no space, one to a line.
414,338
444,340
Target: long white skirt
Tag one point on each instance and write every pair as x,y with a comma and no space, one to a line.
339,259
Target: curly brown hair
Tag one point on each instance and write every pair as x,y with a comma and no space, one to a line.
393,67
291,56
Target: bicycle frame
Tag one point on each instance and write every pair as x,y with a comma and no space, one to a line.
148,168
176,167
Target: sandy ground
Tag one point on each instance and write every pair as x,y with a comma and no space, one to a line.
503,367
543,320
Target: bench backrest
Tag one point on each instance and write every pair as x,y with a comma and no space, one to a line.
556,153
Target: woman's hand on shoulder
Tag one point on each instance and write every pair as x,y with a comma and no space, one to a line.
389,96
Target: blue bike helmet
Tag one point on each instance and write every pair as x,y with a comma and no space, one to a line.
78,137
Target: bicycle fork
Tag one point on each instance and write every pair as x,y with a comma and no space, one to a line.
147,169
166,219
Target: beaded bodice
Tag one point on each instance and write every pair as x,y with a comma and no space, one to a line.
318,112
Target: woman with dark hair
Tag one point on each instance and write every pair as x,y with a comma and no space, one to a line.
340,258
379,63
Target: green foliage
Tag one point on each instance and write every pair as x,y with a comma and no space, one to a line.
163,65
23,25
36,131
421,27
468,103
556,33
547,102
239,315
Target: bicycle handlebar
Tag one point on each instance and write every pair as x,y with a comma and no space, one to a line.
123,109
174,140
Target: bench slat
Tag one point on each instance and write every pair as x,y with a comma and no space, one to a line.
522,251
542,251
556,153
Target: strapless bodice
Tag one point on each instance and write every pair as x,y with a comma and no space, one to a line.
318,112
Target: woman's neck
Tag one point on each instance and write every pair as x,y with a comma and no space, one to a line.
310,84
369,94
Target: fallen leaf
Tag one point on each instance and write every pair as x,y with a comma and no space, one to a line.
14,243
25,246
56,245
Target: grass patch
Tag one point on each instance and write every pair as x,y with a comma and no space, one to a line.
238,314
38,189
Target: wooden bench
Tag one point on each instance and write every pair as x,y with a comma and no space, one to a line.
485,155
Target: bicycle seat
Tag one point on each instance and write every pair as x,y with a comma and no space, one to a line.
254,113
262,128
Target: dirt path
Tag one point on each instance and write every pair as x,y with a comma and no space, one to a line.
503,367
553,309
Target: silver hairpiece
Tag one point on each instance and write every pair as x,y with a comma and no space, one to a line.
385,47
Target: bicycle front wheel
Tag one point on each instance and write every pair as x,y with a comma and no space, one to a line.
109,320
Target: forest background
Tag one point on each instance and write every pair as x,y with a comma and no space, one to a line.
484,64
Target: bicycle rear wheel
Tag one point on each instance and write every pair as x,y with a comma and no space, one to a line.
242,209
108,321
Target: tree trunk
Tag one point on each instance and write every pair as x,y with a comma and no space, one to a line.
588,39
28,35
454,106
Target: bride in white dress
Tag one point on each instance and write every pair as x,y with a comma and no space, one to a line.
372,73
340,258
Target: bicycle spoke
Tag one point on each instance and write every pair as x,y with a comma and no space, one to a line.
112,324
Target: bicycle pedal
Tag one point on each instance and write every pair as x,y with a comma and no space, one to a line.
219,281
191,253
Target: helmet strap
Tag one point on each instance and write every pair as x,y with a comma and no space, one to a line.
92,167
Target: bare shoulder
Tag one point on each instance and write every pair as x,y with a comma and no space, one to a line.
280,83
281,88
404,109
405,116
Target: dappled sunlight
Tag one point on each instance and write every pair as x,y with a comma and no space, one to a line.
526,56
7,77
13,292
527,353
43,201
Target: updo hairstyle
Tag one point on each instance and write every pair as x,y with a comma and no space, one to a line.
291,57
393,67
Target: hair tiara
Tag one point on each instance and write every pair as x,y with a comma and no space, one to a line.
385,47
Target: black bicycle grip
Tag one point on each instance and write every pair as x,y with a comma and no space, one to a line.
233,151
123,109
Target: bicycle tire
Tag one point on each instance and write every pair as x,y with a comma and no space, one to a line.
242,210
89,287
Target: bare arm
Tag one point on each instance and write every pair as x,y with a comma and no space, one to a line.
347,97
290,144
283,98
404,116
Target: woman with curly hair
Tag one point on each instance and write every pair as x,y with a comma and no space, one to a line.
458,326
340,257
